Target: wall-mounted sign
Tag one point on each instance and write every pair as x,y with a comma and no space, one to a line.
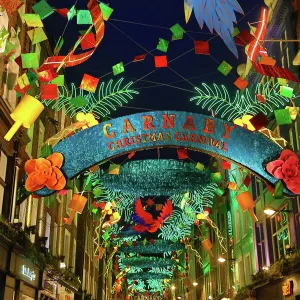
50,286
28,273
217,137
287,288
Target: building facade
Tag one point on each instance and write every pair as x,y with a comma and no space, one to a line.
41,256
262,260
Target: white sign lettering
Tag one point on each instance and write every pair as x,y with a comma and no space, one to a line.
28,273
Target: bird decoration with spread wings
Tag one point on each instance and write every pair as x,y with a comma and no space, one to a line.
218,15
145,221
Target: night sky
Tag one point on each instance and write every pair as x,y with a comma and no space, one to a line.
187,69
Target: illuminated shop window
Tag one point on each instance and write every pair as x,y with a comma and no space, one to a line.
280,234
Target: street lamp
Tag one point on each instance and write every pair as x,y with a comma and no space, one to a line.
195,283
222,259
270,211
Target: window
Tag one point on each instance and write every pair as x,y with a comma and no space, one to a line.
74,254
67,247
47,230
33,219
22,213
248,269
240,271
54,240
280,234
245,223
3,164
237,225
260,239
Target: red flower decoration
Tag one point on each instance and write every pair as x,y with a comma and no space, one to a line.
45,172
287,168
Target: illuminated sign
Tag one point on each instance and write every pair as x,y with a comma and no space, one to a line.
28,273
287,288
176,129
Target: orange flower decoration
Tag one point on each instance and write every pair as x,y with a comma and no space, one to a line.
45,172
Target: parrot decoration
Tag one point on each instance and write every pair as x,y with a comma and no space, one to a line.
145,221
218,15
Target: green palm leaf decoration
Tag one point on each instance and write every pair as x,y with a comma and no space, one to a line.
177,227
217,98
107,98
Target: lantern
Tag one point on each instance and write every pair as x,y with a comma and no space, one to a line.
207,245
76,205
26,112
246,202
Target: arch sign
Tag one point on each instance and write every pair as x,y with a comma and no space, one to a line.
119,136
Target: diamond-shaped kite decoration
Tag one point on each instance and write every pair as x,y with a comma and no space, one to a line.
59,80
49,92
84,17
118,68
162,45
161,61
241,83
37,35
43,9
106,11
286,91
282,116
225,68
30,60
202,47
114,169
23,81
33,20
89,83
139,58
88,41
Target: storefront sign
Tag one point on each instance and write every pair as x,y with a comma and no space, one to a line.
287,288
28,273
175,129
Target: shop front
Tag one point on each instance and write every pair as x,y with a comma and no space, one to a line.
285,289
26,281
64,293
49,289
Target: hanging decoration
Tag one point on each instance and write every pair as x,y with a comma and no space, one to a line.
145,220
287,169
45,172
148,262
218,99
72,59
159,246
217,15
109,96
26,112
157,177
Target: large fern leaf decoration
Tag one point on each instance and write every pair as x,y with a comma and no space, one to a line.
217,98
107,98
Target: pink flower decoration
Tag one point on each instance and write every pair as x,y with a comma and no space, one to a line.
287,168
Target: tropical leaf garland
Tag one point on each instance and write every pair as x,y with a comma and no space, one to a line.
177,227
217,98
109,96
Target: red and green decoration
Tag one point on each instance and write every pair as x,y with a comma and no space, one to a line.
287,169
